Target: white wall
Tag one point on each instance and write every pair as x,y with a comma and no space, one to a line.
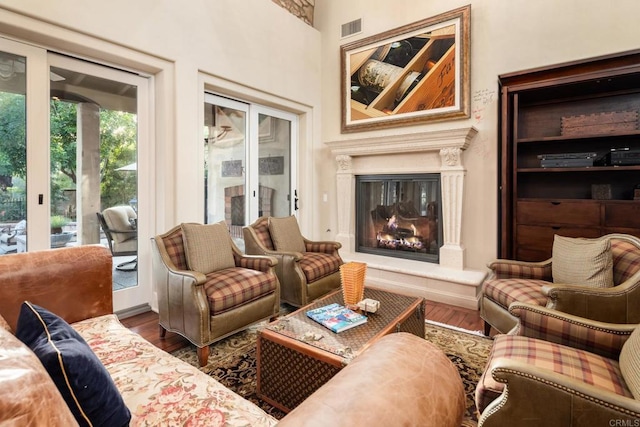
506,36
253,45
257,47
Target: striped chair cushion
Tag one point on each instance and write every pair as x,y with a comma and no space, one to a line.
326,247
507,270
235,286
576,364
175,249
262,231
316,265
507,291
626,260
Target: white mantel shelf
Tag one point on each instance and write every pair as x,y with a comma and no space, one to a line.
449,281
404,143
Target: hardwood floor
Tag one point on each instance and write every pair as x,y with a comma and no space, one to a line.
146,324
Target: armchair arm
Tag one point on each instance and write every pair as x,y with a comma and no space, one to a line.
255,262
533,393
182,301
511,269
321,246
613,305
605,339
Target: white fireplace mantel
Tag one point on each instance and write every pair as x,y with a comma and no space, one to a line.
362,156
405,143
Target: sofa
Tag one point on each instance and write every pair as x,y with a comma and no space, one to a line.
74,285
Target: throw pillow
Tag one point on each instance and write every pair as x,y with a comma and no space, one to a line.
28,396
83,381
207,248
580,261
630,362
286,235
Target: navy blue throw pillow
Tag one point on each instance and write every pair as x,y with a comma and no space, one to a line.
83,381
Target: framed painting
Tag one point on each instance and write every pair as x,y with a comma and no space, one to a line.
412,74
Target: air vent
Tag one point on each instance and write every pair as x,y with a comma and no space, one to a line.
351,28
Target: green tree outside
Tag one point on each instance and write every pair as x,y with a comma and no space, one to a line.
118,135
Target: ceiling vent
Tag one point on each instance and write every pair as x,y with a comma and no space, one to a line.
351,28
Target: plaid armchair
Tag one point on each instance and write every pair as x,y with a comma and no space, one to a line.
532,283
206,306
306,273
556,369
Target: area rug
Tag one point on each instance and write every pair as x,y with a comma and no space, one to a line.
232,362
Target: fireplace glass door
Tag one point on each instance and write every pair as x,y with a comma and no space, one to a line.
399,216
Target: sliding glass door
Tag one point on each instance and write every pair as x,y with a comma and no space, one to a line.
70,137
249,151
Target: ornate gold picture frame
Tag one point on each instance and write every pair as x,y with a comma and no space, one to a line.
412,74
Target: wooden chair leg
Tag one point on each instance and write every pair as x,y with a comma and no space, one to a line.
203,355
163,332
487,328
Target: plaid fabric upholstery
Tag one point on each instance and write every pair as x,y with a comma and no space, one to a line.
511,270
324,247
260,264
175,249
316,265
626,260
235,286
630,363
507,291
557,328
262,231
580,365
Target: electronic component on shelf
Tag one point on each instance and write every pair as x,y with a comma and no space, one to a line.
560,156
623,157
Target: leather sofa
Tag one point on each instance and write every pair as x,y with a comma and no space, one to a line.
76,284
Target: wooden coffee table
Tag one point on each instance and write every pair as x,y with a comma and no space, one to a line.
292,364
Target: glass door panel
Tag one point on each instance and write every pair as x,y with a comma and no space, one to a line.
13,153
93,149
248,152
225,151
95,137
274,167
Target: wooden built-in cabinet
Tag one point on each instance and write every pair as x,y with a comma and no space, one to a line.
589,107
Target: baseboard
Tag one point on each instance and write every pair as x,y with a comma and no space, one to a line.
133,311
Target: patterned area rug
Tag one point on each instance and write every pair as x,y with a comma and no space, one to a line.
233,362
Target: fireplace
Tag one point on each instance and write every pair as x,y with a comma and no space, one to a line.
398,216
446,277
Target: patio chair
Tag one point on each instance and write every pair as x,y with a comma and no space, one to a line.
119,226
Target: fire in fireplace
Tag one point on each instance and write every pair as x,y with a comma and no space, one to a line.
398,216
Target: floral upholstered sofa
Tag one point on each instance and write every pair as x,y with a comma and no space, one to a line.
122,379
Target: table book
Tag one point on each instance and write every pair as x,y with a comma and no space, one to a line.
336,317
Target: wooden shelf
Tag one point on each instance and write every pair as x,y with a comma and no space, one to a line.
577,138
598,99
588,169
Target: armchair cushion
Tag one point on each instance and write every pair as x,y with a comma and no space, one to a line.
316,265
580,261
118,218
286,234
82,380
630,362
580,365
507,291
207,247
232,287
